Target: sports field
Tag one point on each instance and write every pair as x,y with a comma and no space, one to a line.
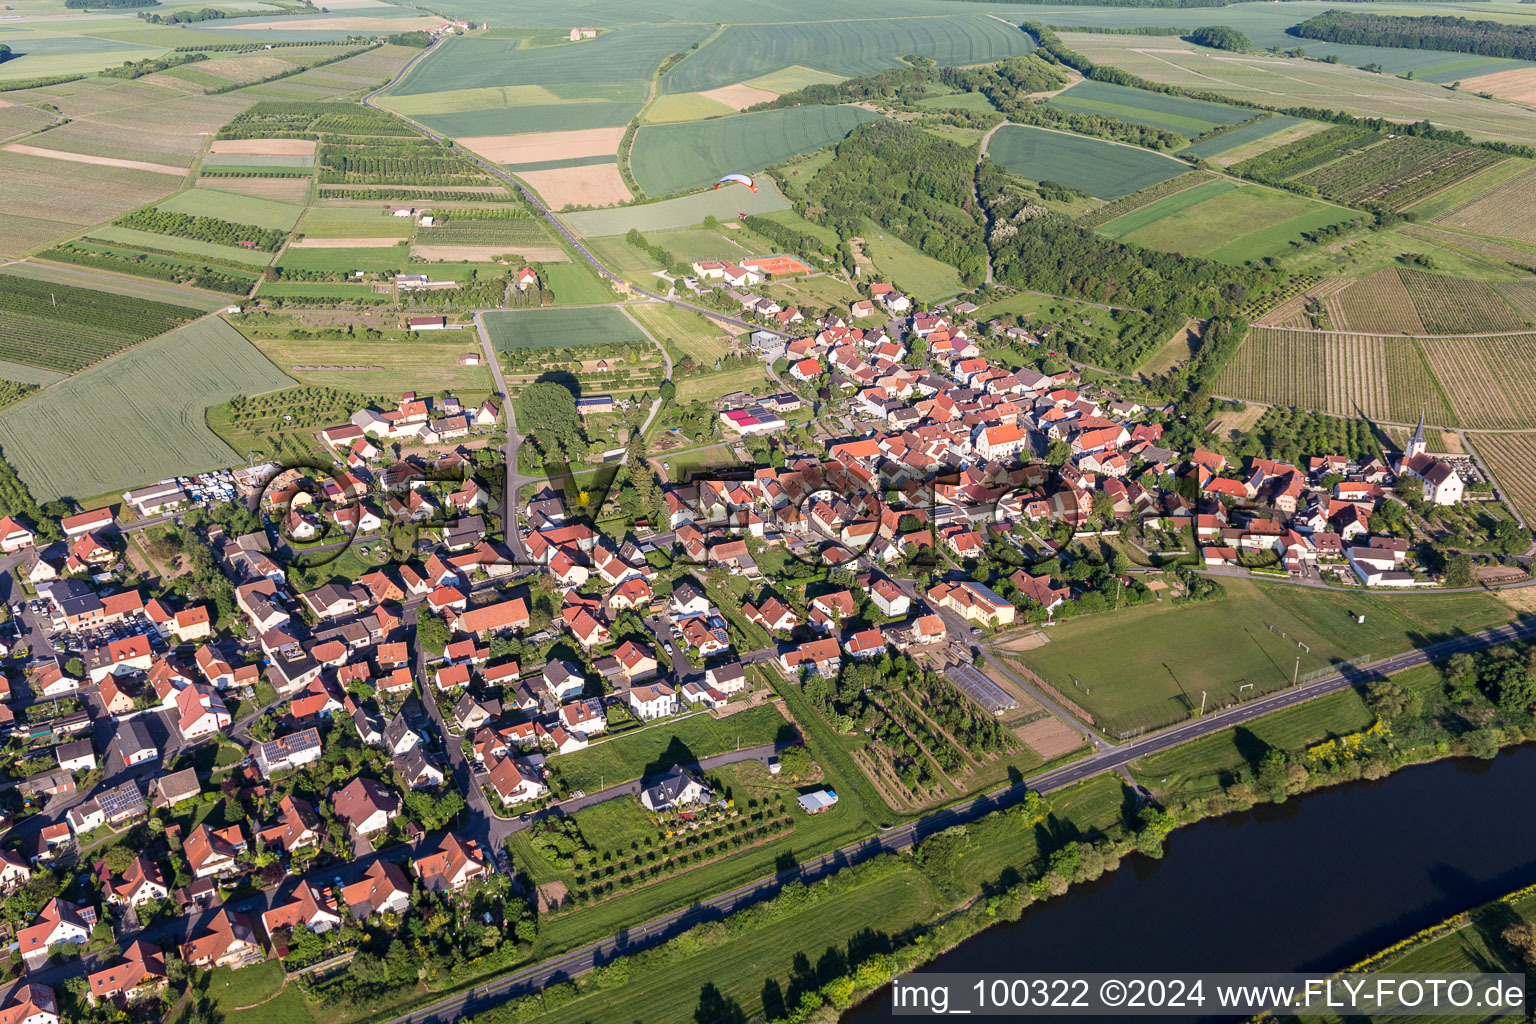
674,157
142,414
1172,113
561,328
1227,223
850,48
682,212
1102,169
1148,665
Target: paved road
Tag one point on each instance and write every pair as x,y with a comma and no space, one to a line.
1116,759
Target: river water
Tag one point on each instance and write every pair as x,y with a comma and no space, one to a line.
1316,883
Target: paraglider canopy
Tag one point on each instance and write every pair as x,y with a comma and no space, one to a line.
740,179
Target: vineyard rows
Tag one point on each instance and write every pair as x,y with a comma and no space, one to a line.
1512,458
1380,304
1260,308
1299,157
1450,305
1505,212
1342,375
1491,382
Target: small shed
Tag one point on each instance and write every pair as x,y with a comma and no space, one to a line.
815,803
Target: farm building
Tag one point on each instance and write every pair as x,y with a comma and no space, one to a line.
427,323
594,405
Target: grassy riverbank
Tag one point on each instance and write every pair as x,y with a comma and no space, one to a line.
897,912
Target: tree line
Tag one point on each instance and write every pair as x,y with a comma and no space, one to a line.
204,229
1434,32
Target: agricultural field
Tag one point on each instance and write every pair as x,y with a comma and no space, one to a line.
1103,169
682,212
1504,212
113,285
555,329
1136,200
373,260
706,387
1171,113
1380,304
1490,381
264,213
1225,222
849,48
1512,460
576,284
380,366
1253,134
61,198
673,158
689,333
1282,82
1452,305
684,106
1109,655
1397,173
337,221
67,328
1348,375
144,414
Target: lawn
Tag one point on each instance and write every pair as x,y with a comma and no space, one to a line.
353,222
690,332
1200,767
229,989
674,157
974,101
381,366
1172,113
1149,665
137,418
1226,223
615,824
206,202
576,284
561,328
746,377
682,212
653,750
920,276
1103,169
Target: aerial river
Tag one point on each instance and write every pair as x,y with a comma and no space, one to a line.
1316,883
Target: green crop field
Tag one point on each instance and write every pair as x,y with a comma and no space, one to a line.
561,328
629,54
554,117
682,212
674,157
920,275
1239,137
206,202
138,418
1224,222
849,48
1284,83
576,284
1099,168
1173,113
1148,665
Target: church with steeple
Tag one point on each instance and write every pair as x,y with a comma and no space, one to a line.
1442,485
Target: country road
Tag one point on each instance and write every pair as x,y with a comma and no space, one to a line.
1117,758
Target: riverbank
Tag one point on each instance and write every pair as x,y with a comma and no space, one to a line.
975,877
